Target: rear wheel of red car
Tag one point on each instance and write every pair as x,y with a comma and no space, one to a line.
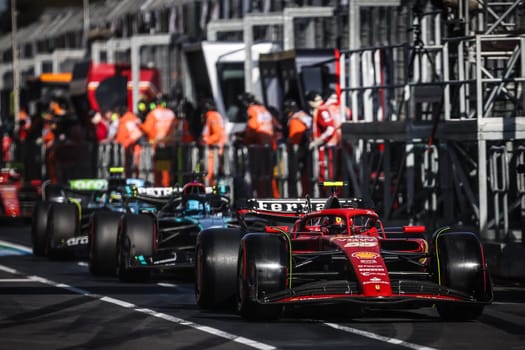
39,227
458,264
136,236
263,269
103,243
62,224
216,256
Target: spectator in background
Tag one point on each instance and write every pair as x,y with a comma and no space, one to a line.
112,119
160,129
323,137
213,137
58,131
24,124
259,137
143,107
128,135
299,131
101,126
259,127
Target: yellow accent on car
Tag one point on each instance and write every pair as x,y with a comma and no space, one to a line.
333,184
116,169
76,201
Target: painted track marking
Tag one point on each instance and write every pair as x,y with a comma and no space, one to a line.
377,337
8,248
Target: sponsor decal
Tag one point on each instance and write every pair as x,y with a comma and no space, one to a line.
88,184
357,241
81,240
136,182
376,282
156,191
365,255
286,206
365,261
167,261
372,269
368,274
362,244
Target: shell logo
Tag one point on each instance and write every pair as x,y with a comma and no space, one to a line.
365,255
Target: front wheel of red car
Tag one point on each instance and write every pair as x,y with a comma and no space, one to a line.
262,270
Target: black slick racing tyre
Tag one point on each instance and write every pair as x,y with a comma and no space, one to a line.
136,236
62,224
263,269
103,243
458,264
216,254
39,227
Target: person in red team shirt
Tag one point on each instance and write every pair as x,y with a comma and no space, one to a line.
324,137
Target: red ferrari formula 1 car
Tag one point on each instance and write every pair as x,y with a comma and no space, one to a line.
338,253
16,198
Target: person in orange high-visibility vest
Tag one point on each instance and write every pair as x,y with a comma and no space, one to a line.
213,137
299,130
259,134
128,135
160,128
259,127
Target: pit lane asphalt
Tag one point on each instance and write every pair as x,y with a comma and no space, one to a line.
59,305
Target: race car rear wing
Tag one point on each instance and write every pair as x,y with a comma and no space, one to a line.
300,205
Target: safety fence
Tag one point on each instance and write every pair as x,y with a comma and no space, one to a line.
254,170
262,171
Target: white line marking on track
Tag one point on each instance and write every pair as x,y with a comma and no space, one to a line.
118,302
17,247
167,285
377,337
83,264
8,270
210,330
15,280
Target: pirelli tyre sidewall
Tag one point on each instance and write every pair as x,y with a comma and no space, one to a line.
39,227
264,264
62,224
103,242
216,253
458,263
136,236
